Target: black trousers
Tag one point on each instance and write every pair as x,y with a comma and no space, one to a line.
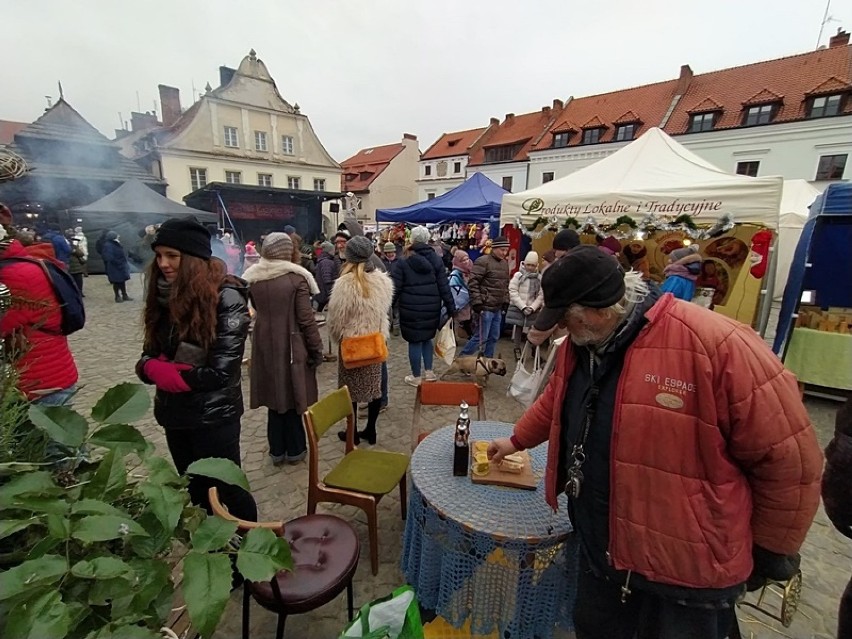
78,280
119,288
187,446
844,622
285,433
599,613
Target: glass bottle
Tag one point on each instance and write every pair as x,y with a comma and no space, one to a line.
461,449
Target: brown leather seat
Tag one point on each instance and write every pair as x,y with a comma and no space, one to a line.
325,553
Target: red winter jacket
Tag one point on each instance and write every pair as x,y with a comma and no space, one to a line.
48,364
712,449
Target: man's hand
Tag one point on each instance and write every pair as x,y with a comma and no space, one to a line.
499,448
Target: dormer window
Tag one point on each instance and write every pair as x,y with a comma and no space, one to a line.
699,122
504,153
561,139
760,114
592,136
624,132
825,105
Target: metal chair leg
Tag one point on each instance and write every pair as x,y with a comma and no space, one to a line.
350,600
246,609
279,632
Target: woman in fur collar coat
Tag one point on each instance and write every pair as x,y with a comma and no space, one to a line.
359,305
286,346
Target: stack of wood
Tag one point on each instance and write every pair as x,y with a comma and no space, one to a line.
833,320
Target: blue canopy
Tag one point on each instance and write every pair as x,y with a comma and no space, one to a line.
477,199
823,260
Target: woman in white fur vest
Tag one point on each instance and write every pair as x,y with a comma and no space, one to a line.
286,347
359,305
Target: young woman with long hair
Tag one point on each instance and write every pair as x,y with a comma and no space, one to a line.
196,323
359,305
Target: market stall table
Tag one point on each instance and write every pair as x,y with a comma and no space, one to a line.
499,557
821,358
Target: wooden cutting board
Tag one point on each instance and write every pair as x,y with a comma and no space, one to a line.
525,480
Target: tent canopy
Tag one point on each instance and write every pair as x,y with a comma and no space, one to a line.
653,174
474,200
822,261
134,197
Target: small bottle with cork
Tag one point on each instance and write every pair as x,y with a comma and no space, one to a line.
461,453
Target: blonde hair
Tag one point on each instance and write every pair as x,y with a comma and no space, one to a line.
359,272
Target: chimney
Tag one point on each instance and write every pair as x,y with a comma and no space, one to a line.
494,122
558,105
141,121
225,75
409,136
509,117
170,104
684,79
545,110
841,39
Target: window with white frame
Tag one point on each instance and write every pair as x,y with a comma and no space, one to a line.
427,170
760,114
260,141
456,167
319,184
624,132
749,167
546,176
825,105
233,177
287,144
198,178
699,122
831,167
294,183
264,179
232,138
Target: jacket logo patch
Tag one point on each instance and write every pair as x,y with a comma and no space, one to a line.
669,401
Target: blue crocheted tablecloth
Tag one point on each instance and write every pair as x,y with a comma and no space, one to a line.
499,557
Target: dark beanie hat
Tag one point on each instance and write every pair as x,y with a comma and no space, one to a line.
565,240
358,249
186,235
585,275
500,242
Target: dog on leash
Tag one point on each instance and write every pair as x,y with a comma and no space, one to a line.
477,365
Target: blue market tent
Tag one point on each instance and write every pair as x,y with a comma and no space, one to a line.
822,261
477,199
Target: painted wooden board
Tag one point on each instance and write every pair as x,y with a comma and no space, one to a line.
525,480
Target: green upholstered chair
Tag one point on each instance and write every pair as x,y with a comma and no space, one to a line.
362,477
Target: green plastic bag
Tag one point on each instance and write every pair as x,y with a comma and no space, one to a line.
396,616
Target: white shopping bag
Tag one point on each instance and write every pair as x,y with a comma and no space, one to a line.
525,384
445,343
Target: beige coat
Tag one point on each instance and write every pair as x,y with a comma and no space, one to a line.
286,344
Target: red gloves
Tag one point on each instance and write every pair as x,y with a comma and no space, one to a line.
166,375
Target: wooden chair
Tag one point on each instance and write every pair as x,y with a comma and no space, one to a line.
325,552
445,394
362,477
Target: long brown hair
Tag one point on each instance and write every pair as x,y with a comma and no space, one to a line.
193,299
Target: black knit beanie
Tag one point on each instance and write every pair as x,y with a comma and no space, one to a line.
186,235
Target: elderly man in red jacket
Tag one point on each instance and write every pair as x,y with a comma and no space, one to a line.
688,458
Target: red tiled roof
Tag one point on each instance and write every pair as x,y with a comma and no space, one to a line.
648,104
705,106
8,129
525,129
794,77
764,97
456,143
627,118
366,165
832,85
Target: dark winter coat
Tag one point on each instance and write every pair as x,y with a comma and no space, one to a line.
327,272
420,287
77,263
115,262
837,478
489,283
61,247
216,396
286,346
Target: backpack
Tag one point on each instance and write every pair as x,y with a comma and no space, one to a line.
460,292
65,288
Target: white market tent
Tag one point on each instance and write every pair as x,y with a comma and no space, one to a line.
653,174
797,197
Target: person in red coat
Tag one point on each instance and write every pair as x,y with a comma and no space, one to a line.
48,374
688,459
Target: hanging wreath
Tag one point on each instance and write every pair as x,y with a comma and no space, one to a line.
685,220
539,220
626,220
571,223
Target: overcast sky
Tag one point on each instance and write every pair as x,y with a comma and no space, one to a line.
367,71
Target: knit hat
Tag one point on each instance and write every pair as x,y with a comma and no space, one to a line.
390,247
609,244
531,258
186,235
277,246
462,261
327,247
358,249
419,234
289,229
679,254
586,276
500,242
565,240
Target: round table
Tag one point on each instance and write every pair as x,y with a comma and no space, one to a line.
497,556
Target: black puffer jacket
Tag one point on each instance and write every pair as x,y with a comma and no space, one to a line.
216,396
420,287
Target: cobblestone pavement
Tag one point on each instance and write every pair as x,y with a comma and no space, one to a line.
106,351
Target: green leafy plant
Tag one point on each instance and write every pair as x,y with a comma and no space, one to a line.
98,523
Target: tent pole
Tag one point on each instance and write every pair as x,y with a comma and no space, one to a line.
768,290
